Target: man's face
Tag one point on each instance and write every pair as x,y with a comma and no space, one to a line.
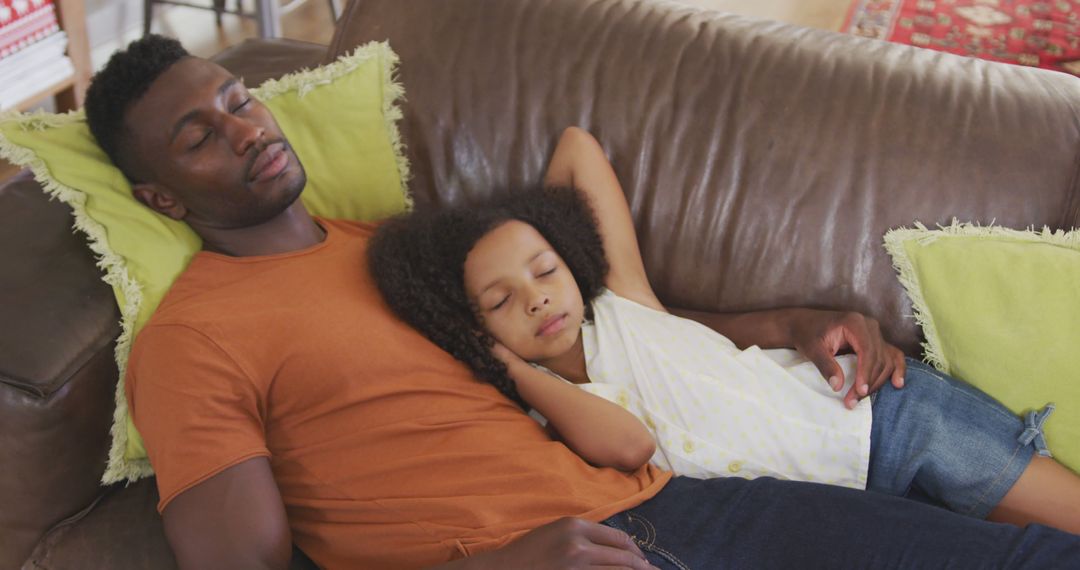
208,152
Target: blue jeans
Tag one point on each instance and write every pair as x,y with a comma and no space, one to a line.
943,440
766,523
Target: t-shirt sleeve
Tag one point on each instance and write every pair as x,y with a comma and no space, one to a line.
196,409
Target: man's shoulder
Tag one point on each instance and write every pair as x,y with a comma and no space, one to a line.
203,284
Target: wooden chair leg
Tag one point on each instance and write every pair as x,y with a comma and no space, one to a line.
148,16
219,8
268,18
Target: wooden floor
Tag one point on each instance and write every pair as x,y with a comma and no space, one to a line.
824,14
310,21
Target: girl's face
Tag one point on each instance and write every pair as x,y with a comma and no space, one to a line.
527,298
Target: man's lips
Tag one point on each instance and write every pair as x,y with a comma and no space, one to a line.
552,325
269,163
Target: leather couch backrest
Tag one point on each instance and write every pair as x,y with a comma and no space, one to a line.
763,162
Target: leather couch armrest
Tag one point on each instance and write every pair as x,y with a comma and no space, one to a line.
57,370
125,519
58,376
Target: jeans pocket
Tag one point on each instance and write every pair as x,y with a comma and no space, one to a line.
644,535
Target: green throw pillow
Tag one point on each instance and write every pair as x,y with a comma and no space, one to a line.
340,119
1000,309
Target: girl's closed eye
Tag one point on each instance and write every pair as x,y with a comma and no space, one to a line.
500,304
547,272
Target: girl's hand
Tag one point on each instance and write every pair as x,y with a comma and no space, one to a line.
506,356
601,432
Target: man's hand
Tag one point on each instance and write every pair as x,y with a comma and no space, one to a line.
566,544
820,335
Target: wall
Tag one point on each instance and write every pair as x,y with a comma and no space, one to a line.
109,23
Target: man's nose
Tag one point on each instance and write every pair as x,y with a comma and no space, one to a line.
242,133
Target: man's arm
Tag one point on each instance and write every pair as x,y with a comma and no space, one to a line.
819,336
235,519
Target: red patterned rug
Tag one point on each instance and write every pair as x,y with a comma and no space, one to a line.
1039,33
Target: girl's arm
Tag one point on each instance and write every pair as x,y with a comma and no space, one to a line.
579,161
602,433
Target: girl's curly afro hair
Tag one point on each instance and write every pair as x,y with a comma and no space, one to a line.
418,262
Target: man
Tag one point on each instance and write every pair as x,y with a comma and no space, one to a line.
280,400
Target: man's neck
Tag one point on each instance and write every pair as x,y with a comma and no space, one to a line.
291,230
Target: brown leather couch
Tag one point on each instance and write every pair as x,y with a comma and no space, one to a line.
763,162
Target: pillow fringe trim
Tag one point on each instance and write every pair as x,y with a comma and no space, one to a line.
393,94
894,244
119,467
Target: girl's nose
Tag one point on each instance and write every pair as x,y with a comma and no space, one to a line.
538,303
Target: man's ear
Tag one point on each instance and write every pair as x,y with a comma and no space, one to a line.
158,200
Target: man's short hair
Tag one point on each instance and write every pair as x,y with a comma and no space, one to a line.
124,80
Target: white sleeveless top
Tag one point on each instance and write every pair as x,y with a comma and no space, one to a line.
717,411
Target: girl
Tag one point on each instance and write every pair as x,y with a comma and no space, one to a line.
534,278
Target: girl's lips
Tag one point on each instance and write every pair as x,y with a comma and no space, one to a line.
552,325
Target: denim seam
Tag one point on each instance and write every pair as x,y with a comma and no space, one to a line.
993,484
650,544
650,530
968,396
670,557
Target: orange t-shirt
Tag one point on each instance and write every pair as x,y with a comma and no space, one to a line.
387,452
